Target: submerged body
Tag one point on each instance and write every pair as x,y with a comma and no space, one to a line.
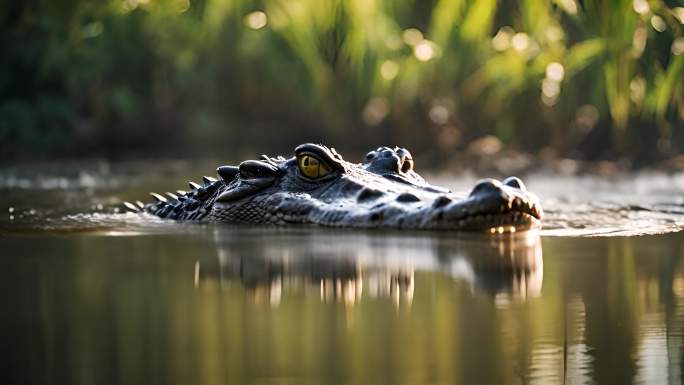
318,187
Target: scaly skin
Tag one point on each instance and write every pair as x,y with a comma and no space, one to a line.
381,192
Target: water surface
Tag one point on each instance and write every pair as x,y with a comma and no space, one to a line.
94,296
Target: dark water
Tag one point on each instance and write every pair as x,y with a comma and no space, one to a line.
94,297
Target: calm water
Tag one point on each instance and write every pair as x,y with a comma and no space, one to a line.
94,297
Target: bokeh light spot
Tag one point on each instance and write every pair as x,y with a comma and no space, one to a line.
569,6
639,41
658,23
375,111
550,88
586,117
554,34
502,40
256,20
424,51
641,7
550,91
679,13
555,71
549,100
439,114
520,41
389,69
412,36
678,46
637,89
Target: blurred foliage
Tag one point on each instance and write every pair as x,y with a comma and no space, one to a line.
226,77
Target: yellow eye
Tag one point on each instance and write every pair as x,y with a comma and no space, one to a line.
312,167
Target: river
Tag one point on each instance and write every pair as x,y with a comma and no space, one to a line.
92,296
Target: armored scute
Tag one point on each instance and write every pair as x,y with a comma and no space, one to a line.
318,187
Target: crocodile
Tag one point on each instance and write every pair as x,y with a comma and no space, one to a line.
317,186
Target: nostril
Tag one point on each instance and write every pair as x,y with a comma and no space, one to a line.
515,182
486,186
407,165
405,159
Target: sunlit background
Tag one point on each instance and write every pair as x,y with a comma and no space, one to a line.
228,78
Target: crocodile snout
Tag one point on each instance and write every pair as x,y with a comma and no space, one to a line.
494,204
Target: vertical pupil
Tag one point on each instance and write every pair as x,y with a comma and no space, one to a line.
310,166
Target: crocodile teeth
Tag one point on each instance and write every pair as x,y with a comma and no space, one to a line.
140,204
518,203
193,185
172,195
208,180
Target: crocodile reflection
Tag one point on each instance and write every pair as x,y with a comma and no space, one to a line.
346,267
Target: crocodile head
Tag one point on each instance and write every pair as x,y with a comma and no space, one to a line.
317,186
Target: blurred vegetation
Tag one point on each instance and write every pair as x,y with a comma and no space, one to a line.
113,78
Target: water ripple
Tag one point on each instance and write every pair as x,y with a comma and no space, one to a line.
87,200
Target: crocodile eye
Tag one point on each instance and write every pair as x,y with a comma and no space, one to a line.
312,167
